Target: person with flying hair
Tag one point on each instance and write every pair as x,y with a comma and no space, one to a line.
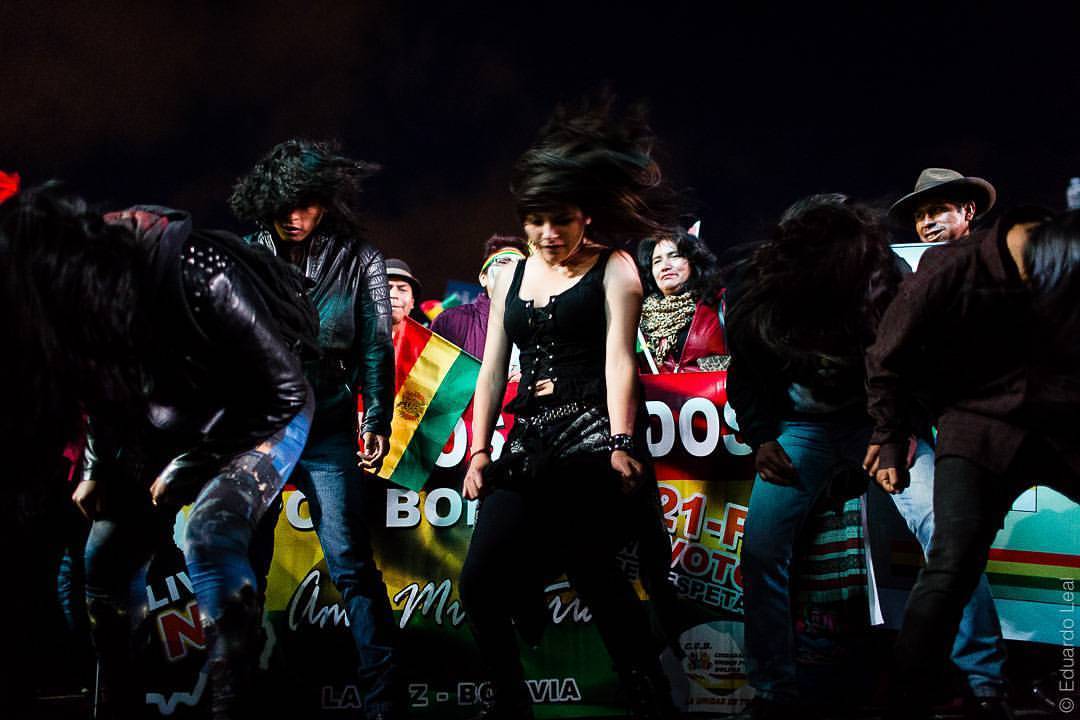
305,198
586,189
802,309
162,338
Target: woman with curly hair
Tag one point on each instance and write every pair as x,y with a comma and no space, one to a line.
681,317
802,311
305,196
586,188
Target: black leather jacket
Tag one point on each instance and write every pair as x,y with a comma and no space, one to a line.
220,379
353,299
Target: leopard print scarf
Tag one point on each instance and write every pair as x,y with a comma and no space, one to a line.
662,319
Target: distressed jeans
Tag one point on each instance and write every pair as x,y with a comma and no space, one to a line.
217,542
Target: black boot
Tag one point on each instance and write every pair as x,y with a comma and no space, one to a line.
233,643
118,692
649,694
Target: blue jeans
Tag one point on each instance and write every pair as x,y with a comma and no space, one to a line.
774,521
222,521
979,650
217,543
336,492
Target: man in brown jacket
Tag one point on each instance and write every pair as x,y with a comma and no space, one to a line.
987,338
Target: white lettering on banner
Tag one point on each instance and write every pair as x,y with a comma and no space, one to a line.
729,417
418,694
431,507
167,706
172,592
731,443
470,693
459,444
421,694
541,690
292,512
349,698
554,690
458,447
693,406
434,599
304,607
661,441
575,610
403,508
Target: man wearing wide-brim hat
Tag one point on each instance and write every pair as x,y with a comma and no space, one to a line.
944,204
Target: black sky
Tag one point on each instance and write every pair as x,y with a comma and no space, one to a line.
756,104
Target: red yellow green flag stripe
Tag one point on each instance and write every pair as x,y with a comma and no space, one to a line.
433,385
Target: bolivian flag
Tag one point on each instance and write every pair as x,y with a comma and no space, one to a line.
433,385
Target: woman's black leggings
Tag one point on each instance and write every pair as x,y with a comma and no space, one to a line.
573,520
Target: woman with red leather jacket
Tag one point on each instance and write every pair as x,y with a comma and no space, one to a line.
681,319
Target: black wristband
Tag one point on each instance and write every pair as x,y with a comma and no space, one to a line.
623,442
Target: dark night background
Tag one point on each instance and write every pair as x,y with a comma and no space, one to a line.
755,103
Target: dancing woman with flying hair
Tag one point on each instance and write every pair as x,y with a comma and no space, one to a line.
586,189
801,312
305,196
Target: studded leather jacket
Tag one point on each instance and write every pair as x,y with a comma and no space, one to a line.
220,379
352,296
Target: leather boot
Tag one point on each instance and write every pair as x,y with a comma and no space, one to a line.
233,643
118,693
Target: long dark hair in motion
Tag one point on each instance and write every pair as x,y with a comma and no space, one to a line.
1052,263
602,165
299,173
814,292
69,314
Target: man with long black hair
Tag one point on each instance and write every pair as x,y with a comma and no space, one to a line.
304,195
987,336
164,339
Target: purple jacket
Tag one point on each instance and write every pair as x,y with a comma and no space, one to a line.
465,325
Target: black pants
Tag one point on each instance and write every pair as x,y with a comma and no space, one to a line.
572,520
970,504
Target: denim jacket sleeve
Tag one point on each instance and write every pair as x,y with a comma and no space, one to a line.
374,343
